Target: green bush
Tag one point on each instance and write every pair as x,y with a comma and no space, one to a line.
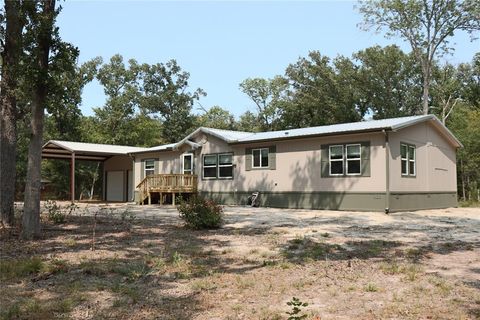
199,213
56,213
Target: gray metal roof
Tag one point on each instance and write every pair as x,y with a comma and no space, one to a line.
342,128
84,151
352,127
392,124
94,147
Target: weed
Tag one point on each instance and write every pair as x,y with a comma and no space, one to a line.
295,313
371,287
10,312
412,272
325,234
18,268
156,263
244,282
203,285
56,213
391,267
177,258
70,242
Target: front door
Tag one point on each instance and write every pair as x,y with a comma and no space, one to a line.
187,163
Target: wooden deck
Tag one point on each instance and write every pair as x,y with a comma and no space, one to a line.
165,184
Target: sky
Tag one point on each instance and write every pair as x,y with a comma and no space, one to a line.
221,43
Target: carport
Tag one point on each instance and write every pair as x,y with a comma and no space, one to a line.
117,169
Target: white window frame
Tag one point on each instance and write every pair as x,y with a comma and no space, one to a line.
330,160
189,155
209,166
408,160
260,153
224,165
145,169
353,159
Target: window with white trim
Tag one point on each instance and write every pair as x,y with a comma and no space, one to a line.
260,158
336,160
187,163
210,166
149,167
408,156
353,157
225,165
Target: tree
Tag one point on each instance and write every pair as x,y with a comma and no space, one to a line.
269,96
249,122
11,41
216,117
426,25
120,84
41,29
322,92
388,81
165,94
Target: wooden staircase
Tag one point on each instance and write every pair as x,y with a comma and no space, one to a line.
166,184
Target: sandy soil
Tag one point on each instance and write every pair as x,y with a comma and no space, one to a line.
146,265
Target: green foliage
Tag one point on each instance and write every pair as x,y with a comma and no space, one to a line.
199,213
321,92
269,97
389,81
295,313
464,124
217,118
18,268
426,25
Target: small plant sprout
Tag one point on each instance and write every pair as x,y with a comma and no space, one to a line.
295,313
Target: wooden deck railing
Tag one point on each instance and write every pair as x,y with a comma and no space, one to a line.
167,183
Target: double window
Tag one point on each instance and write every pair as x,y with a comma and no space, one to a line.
218,166
149,167
260,158
345,159
407,154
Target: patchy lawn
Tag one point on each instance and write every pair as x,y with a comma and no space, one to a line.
412,265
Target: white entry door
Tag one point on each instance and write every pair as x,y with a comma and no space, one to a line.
187,163
115,186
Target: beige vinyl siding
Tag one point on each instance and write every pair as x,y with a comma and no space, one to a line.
435,160
298,166
165,162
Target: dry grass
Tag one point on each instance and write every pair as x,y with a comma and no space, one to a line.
156,269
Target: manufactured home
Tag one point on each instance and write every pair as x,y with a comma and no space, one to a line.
393,164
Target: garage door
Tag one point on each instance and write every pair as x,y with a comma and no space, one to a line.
115,186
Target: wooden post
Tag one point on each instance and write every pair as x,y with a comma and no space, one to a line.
149,198
72,178
173,199
161,198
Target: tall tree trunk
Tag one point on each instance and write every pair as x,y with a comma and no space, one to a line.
31,214
12,49
426,88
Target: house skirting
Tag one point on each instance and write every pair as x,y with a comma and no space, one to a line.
355,201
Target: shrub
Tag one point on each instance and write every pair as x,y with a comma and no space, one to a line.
56,213
199,213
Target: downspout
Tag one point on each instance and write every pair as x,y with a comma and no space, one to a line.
387,172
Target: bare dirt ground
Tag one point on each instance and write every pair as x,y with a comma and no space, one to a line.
146,265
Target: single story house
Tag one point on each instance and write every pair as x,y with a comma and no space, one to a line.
393,164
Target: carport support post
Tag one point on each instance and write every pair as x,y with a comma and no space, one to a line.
72,177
